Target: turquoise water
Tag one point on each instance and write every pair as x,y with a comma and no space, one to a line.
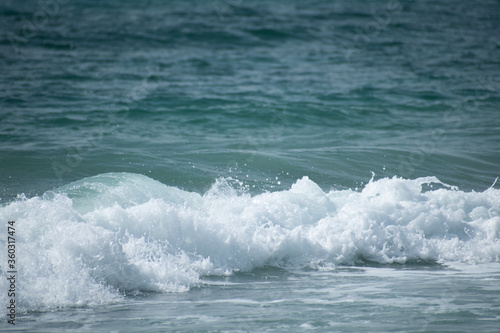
252,166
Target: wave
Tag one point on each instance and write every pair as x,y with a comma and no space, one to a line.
97,239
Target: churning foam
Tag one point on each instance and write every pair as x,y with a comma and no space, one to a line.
98,238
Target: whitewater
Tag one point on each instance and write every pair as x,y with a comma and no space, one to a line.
100,239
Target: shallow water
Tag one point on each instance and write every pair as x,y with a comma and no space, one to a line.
411,298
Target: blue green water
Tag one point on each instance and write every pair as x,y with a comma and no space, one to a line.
252,166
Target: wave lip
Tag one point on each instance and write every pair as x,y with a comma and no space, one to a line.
92,241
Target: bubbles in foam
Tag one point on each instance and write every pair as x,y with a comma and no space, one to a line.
96,239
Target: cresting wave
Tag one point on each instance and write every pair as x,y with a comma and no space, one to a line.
98,238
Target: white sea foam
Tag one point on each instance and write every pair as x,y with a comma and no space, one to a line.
103,236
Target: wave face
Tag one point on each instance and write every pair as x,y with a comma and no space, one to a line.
99,238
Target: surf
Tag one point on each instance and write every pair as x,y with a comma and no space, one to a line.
97,239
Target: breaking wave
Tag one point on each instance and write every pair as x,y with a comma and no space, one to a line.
95,240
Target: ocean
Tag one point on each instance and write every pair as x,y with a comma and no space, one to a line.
250,166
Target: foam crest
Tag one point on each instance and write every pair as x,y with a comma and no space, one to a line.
95,240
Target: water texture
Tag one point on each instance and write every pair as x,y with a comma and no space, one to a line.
251,166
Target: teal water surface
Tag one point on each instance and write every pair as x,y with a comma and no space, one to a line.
266,165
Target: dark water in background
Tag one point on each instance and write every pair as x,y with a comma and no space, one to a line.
239,99
185,93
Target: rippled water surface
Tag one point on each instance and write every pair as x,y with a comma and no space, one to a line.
252,166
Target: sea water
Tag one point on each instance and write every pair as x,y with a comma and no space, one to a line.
250,166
